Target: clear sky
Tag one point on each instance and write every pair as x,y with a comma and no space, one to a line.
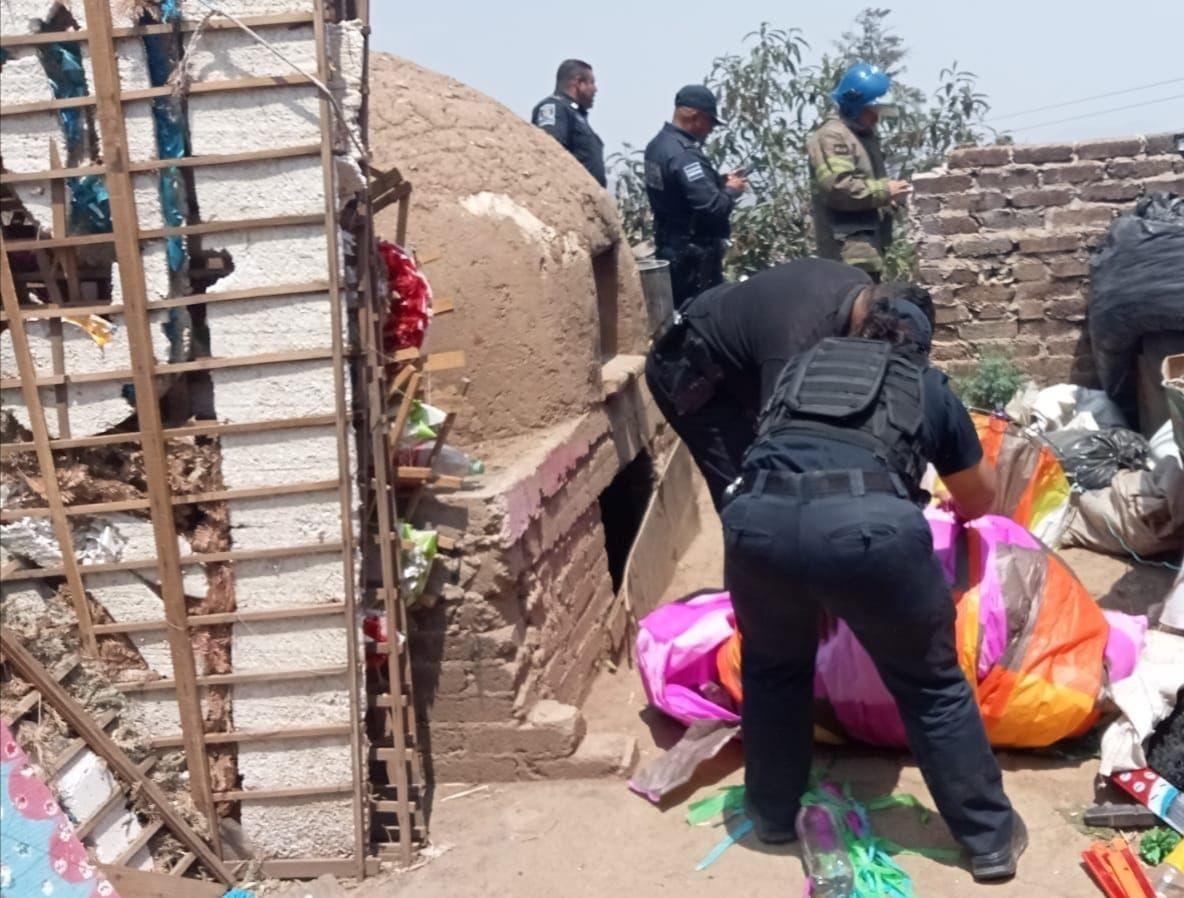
1027,53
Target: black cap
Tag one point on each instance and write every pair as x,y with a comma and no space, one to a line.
696,96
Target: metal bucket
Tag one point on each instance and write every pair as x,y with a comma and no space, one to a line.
659,295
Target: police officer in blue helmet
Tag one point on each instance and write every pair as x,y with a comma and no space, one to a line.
853,197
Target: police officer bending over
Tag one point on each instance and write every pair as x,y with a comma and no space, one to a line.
692,203
712,370
564,115
825,520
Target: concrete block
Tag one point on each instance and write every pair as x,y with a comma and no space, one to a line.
84,784
564,725
1072,173
281,645
81,354
300,827
294,186
281,582
153,648
27,138
24,81
157,277
37,203
154,713
264,258
293,390
599,755
255,326
937,182
248,8
275,458
972,157
24,16
279,117
265,706
1005,179
229,54
1080,216
23,598
130,58
1142,168
274,522
325,886
141,133
280,765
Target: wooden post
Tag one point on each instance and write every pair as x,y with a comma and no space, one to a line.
131,274
105,747
344,420
49,473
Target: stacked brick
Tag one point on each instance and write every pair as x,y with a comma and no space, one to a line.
1004,237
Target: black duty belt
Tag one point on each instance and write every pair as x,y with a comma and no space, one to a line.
819,484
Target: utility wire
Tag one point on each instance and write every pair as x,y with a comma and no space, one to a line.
1074,118
1113,93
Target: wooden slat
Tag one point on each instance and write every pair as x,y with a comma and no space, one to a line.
251,736
53,495
294,792
201,558
211,363
344,434
142,838
231,85
132,883
226,158
74,748
234,679
311,868
213,428
103,745
183,864
79,35
295,612
188,230
135,296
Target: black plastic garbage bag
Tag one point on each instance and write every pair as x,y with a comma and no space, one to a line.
1136,288
1092,458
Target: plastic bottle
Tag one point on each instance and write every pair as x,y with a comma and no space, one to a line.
827,864
1170,883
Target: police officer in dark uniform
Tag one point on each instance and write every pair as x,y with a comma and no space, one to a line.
711,371
692,203
564,115
826,520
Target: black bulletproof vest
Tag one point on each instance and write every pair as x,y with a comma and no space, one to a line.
863,392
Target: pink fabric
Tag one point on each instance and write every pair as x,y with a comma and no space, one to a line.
1127,635
677,645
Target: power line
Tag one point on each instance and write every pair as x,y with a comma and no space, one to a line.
1074,118
1113,93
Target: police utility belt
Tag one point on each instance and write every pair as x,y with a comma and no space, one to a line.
694,376
817,484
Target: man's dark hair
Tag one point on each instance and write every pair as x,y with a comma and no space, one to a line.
882,323
909,292
570,69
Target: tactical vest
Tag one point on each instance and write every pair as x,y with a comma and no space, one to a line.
866,393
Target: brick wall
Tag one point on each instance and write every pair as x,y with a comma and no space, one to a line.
1004,237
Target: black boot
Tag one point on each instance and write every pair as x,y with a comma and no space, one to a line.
996,865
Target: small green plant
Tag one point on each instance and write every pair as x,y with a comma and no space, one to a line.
993,384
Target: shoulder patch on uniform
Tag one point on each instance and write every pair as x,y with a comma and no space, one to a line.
653,175
694,171
544,117
839,149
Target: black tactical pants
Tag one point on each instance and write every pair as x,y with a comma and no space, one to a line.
693,269
715,426
869,561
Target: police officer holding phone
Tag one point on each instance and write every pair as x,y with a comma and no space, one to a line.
691,201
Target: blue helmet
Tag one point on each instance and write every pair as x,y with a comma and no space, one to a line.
860,86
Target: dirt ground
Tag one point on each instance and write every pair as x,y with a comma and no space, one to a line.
596,838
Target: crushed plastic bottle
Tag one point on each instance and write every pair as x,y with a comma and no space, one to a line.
828,867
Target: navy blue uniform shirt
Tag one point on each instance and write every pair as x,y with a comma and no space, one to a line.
687,195
565,120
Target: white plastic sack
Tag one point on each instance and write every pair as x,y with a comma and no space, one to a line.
1063,406
1145,698
1163,444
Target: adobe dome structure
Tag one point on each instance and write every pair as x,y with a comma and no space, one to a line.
545,286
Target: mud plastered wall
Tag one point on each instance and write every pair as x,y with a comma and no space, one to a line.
1004,236
283,120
